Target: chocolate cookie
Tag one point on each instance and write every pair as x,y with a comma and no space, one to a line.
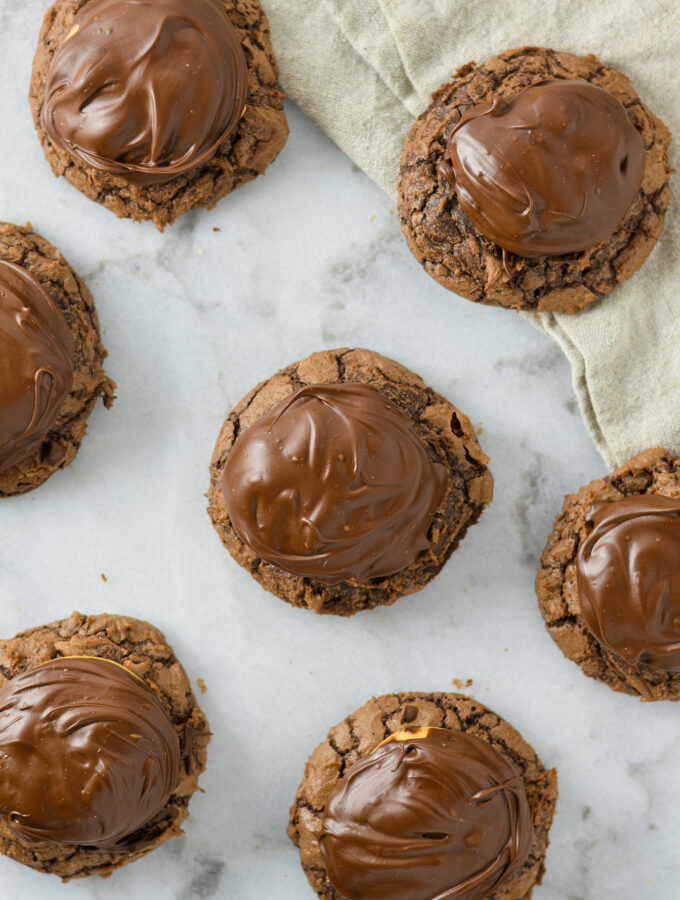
609,582
536,181
344,482
155,107
422,794
50,360
101,745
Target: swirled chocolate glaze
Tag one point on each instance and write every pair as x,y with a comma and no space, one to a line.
551,171
87,754
432,814
628,579
36,369
333,483
146,89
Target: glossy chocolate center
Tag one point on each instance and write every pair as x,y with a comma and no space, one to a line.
431,814
146,89
553,170
334,483
87,754
628,577
36,369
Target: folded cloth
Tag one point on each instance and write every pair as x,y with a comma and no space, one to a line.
364,69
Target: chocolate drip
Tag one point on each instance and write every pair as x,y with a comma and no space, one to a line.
550,171
146,89
432,814
87,755
36,369
628,577
334,483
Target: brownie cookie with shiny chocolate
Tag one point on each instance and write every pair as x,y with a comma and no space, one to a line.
344,482
101,745
536,181
419,796
609,582
154,107
51,359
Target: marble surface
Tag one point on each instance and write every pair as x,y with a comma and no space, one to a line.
311,257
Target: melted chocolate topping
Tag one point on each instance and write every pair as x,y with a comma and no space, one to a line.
333,483
628,577
553,170
146,89
36,369
87,754
432,814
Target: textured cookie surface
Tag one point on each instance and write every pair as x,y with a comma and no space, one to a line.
37,256
651,472
450,440
358,736
260,136
454,252
142,649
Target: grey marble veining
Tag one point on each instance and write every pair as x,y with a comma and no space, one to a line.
310,257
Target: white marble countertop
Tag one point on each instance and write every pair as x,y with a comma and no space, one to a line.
307,258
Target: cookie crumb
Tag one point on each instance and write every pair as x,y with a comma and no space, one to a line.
409,714
103,577
202,686
217,229
456,682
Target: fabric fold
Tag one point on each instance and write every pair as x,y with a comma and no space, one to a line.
366,28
